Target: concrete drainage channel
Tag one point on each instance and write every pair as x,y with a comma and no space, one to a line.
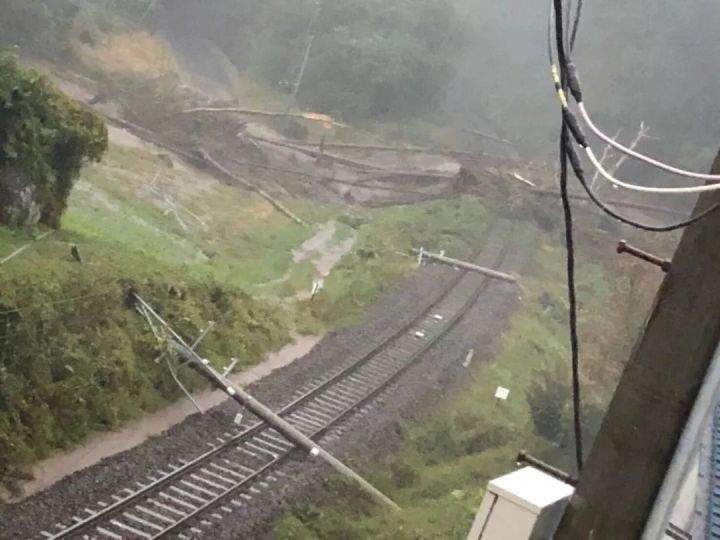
188,497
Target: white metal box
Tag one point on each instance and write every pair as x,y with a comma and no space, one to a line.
524,505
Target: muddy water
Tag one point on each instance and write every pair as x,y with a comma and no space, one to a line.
102,445
323,254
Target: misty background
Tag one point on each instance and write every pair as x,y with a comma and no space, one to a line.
467,64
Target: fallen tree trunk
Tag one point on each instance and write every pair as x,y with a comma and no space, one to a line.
488,136
316,155
384,148
272,114
329,179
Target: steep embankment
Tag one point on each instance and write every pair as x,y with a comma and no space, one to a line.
76,360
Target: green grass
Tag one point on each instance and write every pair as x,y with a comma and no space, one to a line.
385,238
74,359
447,456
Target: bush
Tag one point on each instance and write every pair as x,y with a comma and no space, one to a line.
45,136
548,396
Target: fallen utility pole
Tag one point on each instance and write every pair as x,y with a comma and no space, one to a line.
252,187
23,248
263,412
468,266
629,461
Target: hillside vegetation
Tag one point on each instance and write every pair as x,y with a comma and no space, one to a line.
75,359
446,457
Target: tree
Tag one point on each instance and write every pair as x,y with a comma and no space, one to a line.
389,59
44,140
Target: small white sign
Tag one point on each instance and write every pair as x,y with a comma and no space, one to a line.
502,393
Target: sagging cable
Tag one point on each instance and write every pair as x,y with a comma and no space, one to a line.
576,91
579,136
580,174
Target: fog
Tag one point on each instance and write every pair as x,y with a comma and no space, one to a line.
651,61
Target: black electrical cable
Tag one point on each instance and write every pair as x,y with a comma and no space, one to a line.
575,129
580,174
568,24
576,24
569,244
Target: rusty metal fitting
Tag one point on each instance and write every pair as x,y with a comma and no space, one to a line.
524,458
624,247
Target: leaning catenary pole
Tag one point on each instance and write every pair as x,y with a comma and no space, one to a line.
264,413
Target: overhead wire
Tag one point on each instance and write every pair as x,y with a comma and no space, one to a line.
566,78
576,25
57,302
576,92
582,141
580,138
637,155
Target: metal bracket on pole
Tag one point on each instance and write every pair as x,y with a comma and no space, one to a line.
228,370
263,412
440,257
624,247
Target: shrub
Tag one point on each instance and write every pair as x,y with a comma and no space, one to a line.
548,396
45,136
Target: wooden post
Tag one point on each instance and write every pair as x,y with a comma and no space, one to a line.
648,413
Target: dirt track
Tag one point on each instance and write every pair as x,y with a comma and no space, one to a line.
373,434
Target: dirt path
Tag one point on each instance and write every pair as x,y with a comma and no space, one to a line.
106,444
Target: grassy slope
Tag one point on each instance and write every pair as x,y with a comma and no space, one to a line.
447,457
76,360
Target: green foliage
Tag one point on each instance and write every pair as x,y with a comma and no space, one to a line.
548,396
45,135
447,457
73,364
370,58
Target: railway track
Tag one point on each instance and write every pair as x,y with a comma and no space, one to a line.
185,498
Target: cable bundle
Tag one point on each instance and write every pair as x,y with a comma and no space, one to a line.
566,78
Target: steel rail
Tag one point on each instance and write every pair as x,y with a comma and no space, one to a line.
116,509
349,410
